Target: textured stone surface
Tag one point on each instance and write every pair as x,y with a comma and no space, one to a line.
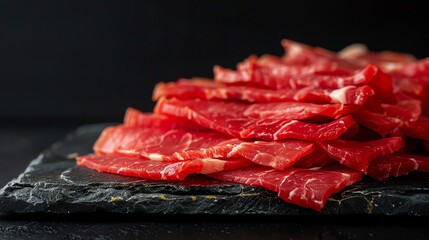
126,226
53,183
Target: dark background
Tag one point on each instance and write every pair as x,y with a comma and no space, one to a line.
68,63
76,62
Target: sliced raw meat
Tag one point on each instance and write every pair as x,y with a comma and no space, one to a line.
161,144
301,54
278,155
395,165
285,110
417,129
359,54
175,145
318,158
278,77
144,168
382,84
209,90
417,70
380,123
363,77
351,95
293,76
219,118
298,111
406,108
408,86
136,118
307,188
358,155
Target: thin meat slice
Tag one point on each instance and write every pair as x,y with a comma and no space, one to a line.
277,129
302,54
162,144
218,118
209,90
406,108
358,155
359,54
278,155
298,53
395,165
417,129
318,158
416,70
175,145
380,123
298,111
363,77
351,95
408,86
284,110
308,188
136,118
143,168
294,76
279,77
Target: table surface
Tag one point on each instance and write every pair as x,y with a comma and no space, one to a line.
20,144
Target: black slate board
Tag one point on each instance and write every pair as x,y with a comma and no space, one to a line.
53,183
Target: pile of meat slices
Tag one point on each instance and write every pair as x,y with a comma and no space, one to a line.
304,125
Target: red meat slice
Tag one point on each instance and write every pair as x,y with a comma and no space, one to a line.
135,167
162,144
175,145
359,54
417,129
209,90
297,111
417,70
285,110
318,158
396,165
307,188
346,95
380,123
363,77
278,155
298,53
293,76
136,118
358,155
275,77
408,86
406,109
218,118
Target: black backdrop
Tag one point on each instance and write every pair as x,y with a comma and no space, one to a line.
86,61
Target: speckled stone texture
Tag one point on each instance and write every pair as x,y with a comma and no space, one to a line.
53,183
